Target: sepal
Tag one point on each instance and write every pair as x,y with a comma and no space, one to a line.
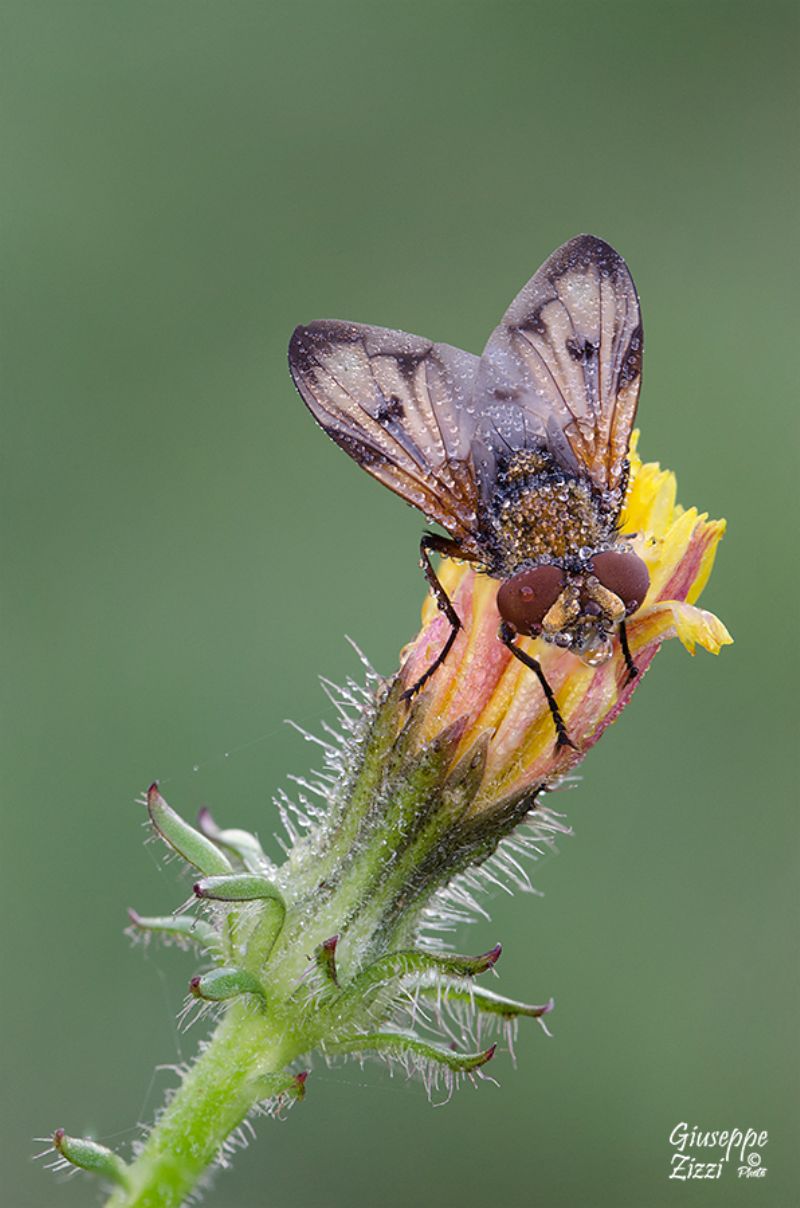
274,1086
484,1001
88,1155
195,848
413,963
241,844
180,926
407,1044
325,960
238,887
260,932
220,985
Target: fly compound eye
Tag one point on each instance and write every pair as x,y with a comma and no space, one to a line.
525,598
625,574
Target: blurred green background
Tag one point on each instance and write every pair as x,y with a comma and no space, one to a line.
184,550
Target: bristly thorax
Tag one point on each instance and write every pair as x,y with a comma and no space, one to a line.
540,511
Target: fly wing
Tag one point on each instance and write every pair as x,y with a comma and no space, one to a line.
401,407
564,366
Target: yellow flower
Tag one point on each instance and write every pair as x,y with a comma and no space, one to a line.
483,685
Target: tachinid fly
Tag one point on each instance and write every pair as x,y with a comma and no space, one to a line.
519,454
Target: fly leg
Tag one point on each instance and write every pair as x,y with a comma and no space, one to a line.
631,667
507,635
440,545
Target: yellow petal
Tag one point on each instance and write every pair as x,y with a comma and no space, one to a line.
650,503
693,626
715,530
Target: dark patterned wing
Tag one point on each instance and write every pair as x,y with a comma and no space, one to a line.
401,407
564,366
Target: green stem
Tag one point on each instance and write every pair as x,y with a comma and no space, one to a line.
213,1100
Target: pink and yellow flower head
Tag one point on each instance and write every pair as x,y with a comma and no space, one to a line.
490,691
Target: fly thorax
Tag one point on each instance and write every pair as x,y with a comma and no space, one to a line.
552,517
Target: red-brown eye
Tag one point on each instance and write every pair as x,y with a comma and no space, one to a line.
624,573
524,599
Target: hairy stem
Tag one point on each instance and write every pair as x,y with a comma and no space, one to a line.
226,1081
